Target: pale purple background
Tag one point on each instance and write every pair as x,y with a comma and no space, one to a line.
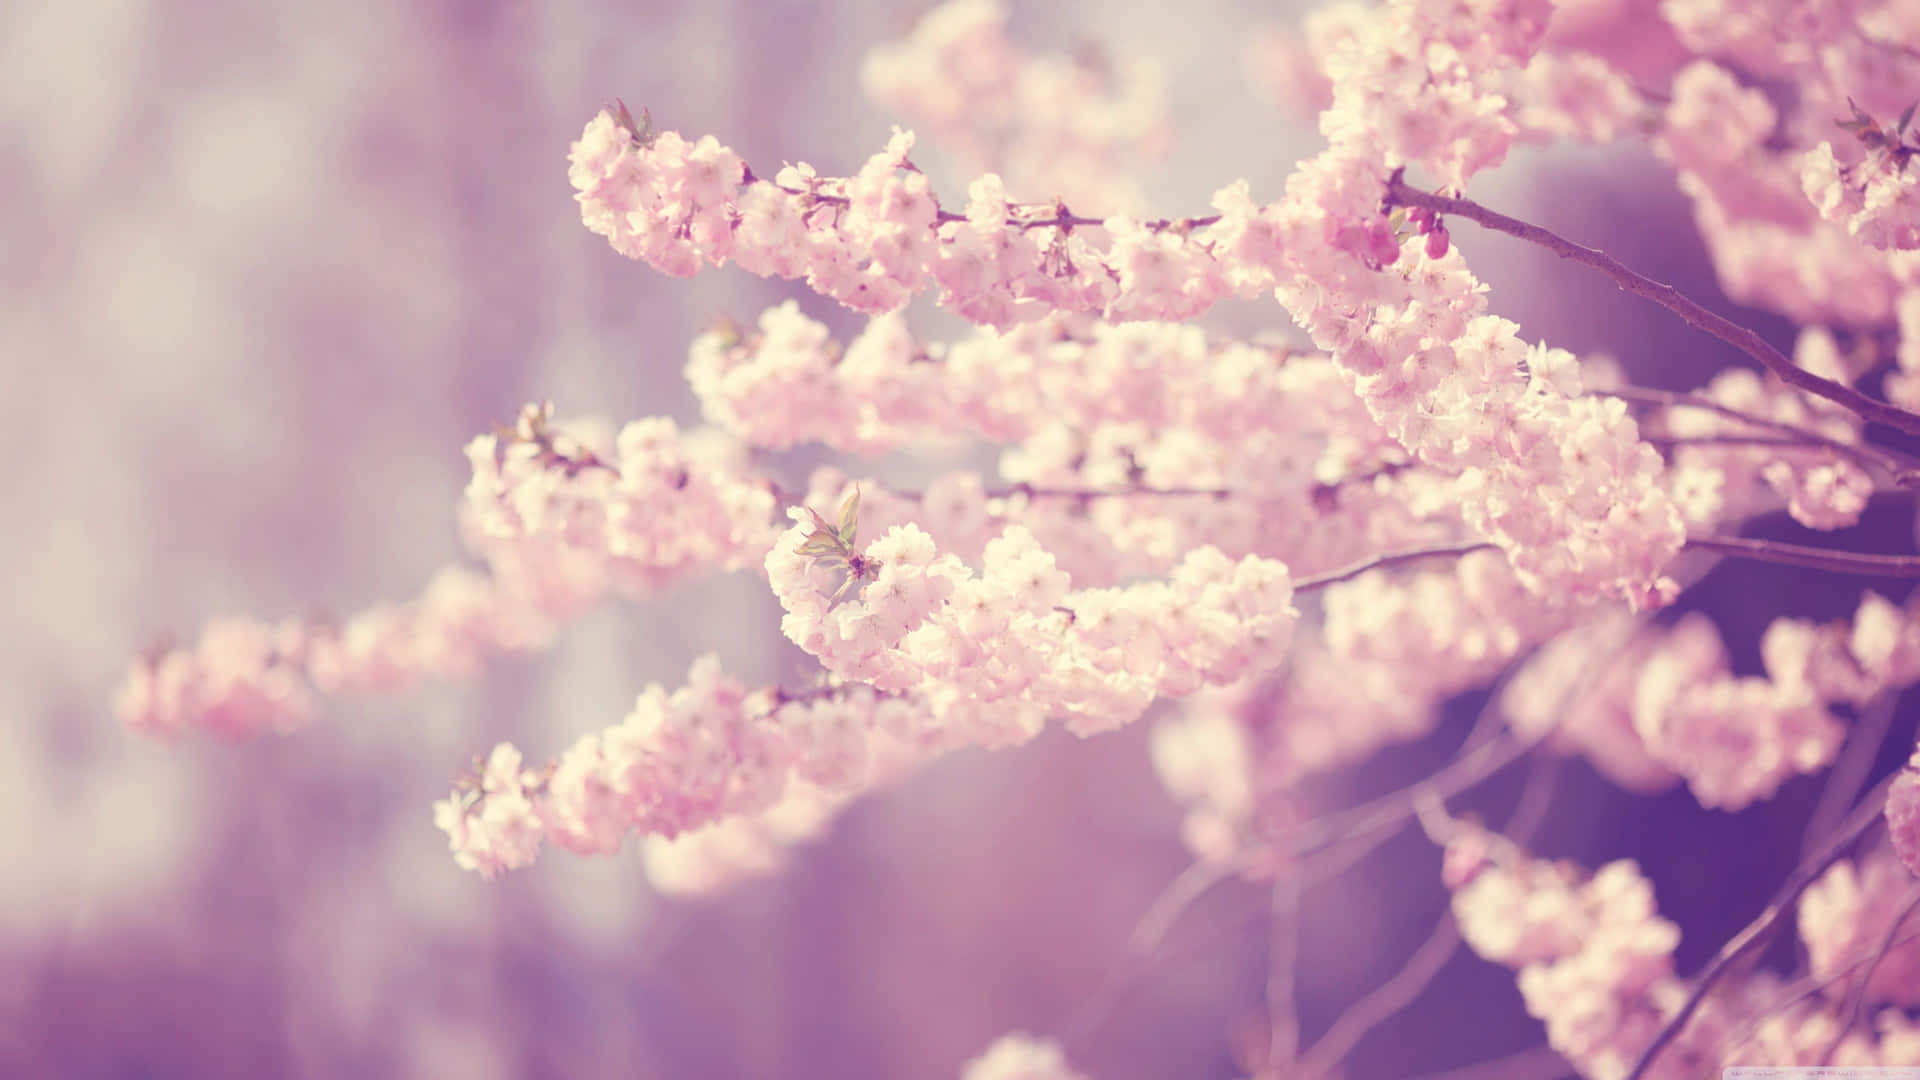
268,267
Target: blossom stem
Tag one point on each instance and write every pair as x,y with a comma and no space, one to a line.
1399,193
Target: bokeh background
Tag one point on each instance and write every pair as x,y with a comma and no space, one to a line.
268,266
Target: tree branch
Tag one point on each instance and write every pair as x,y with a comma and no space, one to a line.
1740,337
1902,468
1838,562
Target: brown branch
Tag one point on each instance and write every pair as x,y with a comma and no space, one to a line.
1838,562
1740,337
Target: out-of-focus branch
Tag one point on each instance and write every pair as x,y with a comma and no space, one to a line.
1903,468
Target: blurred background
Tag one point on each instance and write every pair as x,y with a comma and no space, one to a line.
268,266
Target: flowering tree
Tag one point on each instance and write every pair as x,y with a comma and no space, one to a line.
1304,553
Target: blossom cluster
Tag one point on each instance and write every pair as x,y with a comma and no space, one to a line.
1595,962
787,382
1594,957
245,676
1787,224
1767,445
572,511
1668,705
1002,649
1876,199
710,762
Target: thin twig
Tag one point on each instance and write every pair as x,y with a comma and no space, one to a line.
1384,1000
1397,807
1864,818
1740,337
1901,467
1148,935
1380,562
1191,884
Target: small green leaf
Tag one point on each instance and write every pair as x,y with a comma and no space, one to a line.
820,545
850,517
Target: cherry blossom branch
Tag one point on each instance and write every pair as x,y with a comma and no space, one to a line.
1399,193
1763,924
1838,562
